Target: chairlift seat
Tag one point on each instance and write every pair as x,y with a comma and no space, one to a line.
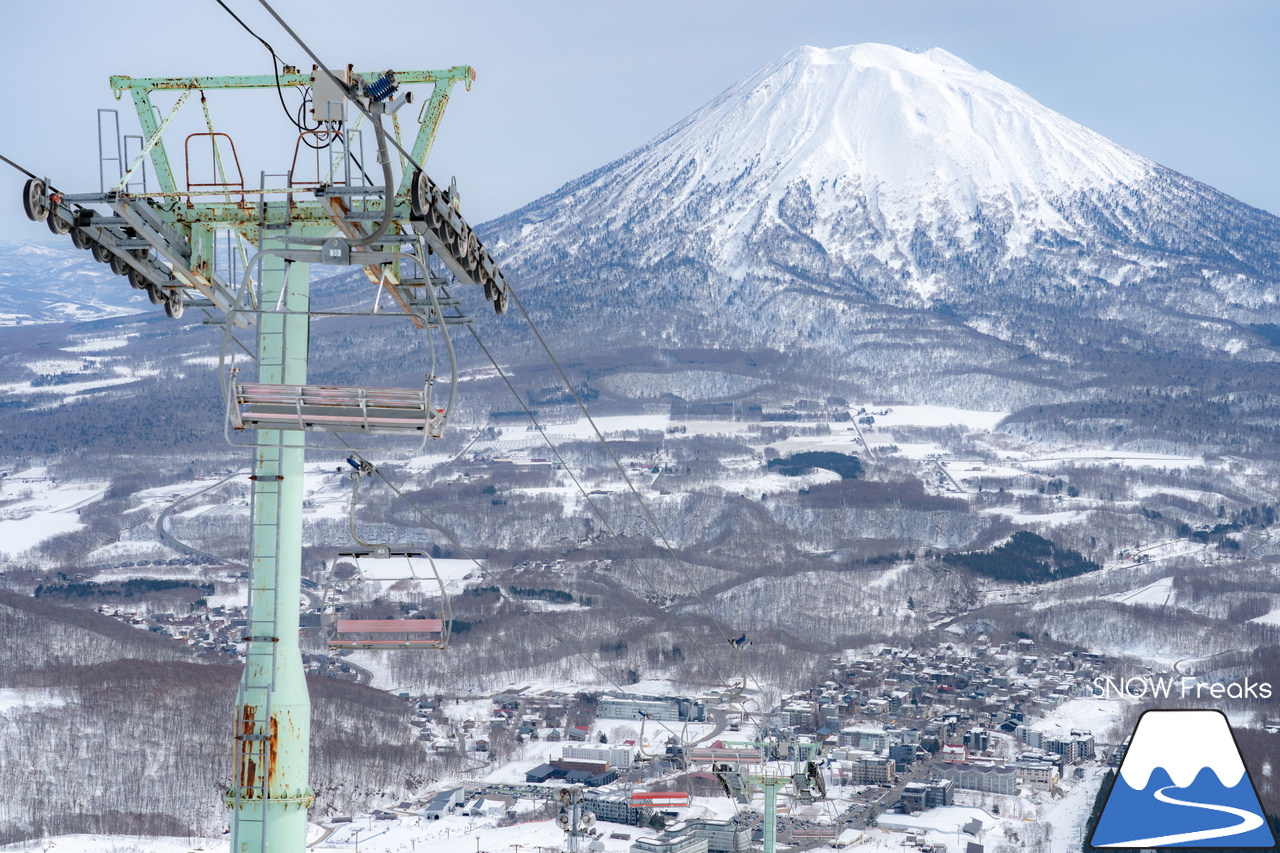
388,634
330,408
659,799
381,553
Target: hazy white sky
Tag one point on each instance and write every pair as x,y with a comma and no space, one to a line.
565,87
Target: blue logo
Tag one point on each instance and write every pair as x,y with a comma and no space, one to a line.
1182,784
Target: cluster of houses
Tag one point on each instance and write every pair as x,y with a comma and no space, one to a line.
220,629
967,712
949,719
553,718
210,629
995,686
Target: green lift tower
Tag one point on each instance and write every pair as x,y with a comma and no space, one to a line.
243,256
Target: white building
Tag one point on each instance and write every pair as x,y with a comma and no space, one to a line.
618,757
682,844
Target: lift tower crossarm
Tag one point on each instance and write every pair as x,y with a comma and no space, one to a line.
140,88
152,130
120,83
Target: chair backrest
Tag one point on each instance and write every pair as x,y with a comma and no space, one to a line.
389,634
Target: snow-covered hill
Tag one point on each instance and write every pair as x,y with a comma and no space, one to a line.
860,148
47,282
870,174
863,222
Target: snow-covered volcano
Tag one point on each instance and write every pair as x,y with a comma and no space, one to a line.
913,226
880,174
859,149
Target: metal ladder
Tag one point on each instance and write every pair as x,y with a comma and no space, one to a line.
253,730
253,701
108,139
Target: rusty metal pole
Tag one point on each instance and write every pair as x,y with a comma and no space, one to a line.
270,794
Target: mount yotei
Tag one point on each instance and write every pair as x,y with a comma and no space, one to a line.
932,231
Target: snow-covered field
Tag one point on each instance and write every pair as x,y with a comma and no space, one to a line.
935,416
117,844
947,819
390,569
41,509
455,834
16,700
1118,458
1094,714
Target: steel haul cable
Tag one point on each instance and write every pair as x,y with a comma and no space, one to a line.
586,496
630,485
573,649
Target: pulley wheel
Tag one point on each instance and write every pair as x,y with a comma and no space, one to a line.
137,280
175,304
432,214
34,203
118,265
441,227
58,225
100,252
420,193
80,238
500,304
463,243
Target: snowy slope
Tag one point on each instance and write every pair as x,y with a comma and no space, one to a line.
52,282
874,174
904,140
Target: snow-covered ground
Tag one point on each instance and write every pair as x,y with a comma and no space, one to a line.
1161,593
41,508
1118,458
16,700
117,844
1272,618
947,819
1095,714
935,416
390,569
455,834
99,344
1058,518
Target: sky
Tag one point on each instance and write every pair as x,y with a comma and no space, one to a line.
565,87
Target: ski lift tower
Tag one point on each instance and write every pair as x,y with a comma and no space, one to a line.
770,764
168,239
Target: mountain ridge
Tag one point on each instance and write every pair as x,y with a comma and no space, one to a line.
895,237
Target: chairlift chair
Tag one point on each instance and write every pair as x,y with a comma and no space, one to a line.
387,634
331,408
392,634
403,412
